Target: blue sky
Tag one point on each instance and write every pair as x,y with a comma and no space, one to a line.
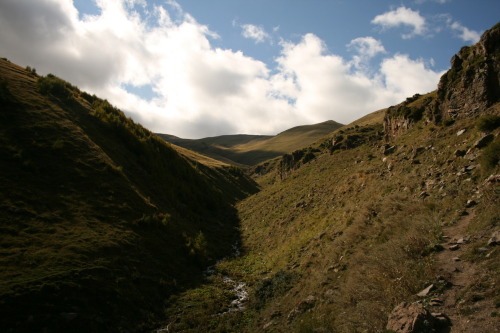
197,68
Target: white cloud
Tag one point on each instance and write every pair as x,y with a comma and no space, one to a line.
366,48
466,34
438,1
404,76
402,16
325,86
254,32
200,90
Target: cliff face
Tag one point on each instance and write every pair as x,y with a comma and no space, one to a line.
472,83
468,89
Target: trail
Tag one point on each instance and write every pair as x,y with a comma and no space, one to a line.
467,315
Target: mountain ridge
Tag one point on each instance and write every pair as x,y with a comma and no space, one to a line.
247,150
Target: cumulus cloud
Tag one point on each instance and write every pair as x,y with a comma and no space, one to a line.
323,84
366,48
403,76
257,33
466,34
402,16
199,90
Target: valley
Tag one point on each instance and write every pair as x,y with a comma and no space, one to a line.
364,227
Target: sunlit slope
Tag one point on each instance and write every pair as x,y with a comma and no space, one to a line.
248,150
366,218
100,220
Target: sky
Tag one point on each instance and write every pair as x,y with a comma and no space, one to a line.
200,68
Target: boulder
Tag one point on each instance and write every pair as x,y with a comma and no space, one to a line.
495,239
388,149
411,318
441,320
426,291
470,203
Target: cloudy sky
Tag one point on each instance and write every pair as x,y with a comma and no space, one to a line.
197,68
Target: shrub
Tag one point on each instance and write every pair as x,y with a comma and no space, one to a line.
31,70
272,287
52,85
488,123
490,156
5,94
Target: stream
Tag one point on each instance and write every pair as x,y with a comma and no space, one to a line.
238,288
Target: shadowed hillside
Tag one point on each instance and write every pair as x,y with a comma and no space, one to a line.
248,150
101,220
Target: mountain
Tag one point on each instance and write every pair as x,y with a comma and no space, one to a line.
389,224
101,220
248,150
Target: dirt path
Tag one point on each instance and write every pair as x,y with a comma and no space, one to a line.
462,300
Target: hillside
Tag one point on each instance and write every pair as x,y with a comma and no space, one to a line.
101,220
249,150
389,224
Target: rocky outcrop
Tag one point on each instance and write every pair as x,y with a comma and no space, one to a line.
469,88
472,83
294,160
400,118
415,318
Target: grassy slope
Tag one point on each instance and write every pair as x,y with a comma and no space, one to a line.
100,219
355,232
249,150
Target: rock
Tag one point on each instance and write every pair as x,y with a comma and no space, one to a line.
302,307
437,248
464,213
462,131
456,259
441,320
469,168
387,149
482,250
269,324
459,153
484,141
423,194
470,203
493,179
426,291
454,247
463,240
410,318
495,239
436,302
